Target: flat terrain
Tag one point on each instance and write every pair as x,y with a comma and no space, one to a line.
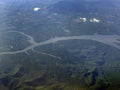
59,45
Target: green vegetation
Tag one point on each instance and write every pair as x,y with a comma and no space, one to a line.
84,64
79,70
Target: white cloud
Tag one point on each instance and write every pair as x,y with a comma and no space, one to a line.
94,20
36,9
83,19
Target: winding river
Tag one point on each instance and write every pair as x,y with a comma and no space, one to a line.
111,40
